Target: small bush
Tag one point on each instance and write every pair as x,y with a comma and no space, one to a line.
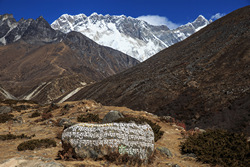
120,159
155,127
36,143
53,106
22,107
11,137
181,124
46,116
89,118
6,117
219,147
35,114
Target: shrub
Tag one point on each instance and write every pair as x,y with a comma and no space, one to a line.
219,147
155,127
120,159
22,107
6,117
46,115
181,124
35,114
11,137
89,118
36,143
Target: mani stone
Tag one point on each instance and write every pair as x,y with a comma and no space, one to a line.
99,140
112,116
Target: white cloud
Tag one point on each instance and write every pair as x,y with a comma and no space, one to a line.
158,20
217,16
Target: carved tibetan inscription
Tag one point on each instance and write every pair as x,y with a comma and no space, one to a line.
133,139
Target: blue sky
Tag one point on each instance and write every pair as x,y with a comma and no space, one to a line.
170,12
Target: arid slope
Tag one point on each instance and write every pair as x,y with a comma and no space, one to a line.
203,80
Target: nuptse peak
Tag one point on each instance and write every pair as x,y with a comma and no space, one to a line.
132,36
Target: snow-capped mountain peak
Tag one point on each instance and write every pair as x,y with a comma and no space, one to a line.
132,36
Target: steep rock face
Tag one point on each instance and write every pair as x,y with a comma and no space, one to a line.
134,37
32,31
40,63
201,77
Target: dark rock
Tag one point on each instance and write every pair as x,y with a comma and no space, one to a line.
112,116
175,165
192,155
19,119
64,121
165,151
5,109
54,106
68,106
167,119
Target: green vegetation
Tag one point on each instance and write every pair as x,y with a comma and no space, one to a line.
11,137
219,147
89,118
155,127
36,143
6,117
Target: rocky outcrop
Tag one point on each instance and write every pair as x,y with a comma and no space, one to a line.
99,140
112,116
5,109
165,151
32,31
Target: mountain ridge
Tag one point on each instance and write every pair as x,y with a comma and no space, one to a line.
132,36
32,53
203,80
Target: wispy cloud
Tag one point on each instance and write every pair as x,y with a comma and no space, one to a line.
158,20
217,16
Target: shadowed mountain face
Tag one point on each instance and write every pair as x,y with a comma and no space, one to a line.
39,63
204,80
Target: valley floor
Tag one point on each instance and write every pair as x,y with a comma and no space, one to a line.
49,129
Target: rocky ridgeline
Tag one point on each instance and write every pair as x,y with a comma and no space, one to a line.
99,140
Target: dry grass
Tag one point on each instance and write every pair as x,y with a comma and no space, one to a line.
171,138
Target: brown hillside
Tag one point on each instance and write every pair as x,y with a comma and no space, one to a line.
52,62
203,80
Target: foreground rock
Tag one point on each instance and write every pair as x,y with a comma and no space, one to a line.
112,116
99,140
5,109
22,162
